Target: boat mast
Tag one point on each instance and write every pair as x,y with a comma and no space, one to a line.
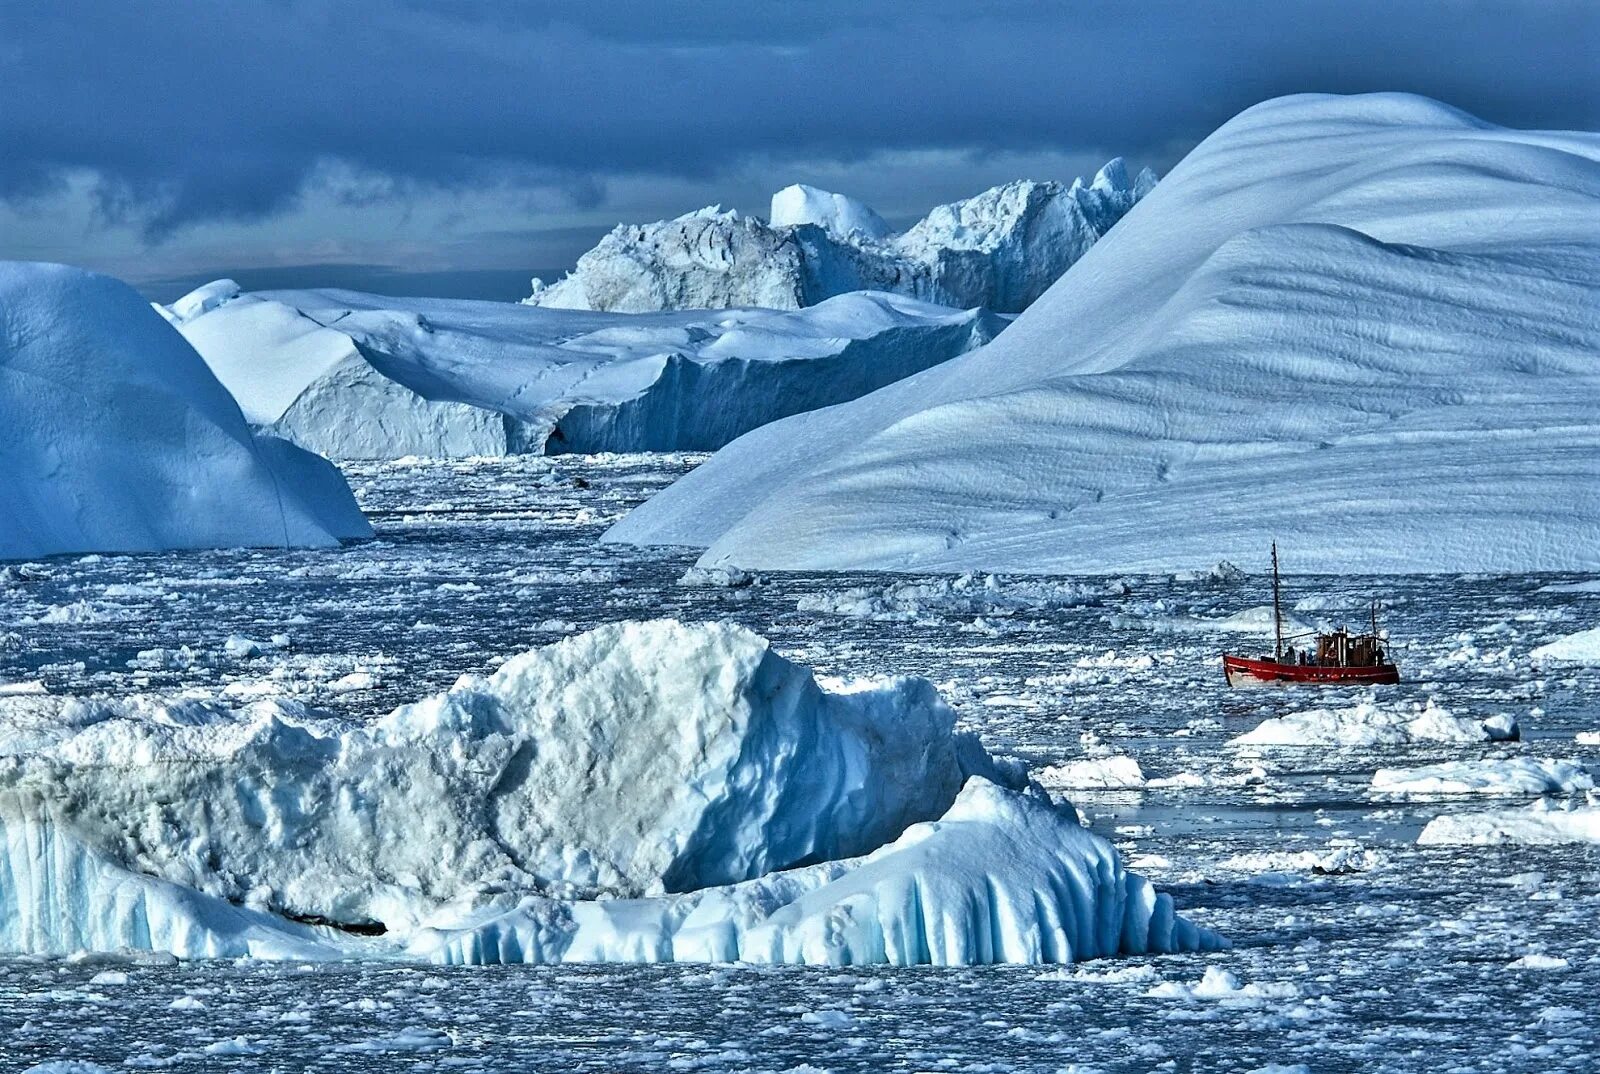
1277,609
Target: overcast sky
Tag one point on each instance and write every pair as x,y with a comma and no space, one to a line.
455,148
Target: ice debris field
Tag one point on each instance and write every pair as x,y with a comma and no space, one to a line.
1413,886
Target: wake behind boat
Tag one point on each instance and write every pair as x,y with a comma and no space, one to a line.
1340,657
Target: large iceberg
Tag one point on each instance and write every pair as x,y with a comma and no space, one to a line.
1366,326
355,376
643,791
1000,249
114,436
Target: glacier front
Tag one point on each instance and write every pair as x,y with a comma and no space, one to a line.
644,791
115,437
1365,326
356,376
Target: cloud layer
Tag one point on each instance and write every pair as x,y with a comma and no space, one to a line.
173,114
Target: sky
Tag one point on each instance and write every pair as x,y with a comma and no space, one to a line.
455,148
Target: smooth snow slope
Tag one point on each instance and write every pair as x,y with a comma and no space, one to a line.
356,376
630,794
114,436
1366,326
999,249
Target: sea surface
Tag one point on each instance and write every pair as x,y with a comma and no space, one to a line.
1355,949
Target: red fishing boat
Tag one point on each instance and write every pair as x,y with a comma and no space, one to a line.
1339,658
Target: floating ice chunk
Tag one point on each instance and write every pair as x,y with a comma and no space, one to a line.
1540,823
1118,773
1220,985
1371,723
1507,776
1538,961
1580,648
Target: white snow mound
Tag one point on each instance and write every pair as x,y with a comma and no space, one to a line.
115,437
1366,326
633,762
355,376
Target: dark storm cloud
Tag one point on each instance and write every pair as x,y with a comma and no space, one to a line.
191,111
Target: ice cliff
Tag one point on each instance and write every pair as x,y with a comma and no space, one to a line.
1365,326
1000,249
114,436
350,375
643,791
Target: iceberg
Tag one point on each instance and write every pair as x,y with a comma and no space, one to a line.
1365,326
115,437
355,376
641,792
1000,249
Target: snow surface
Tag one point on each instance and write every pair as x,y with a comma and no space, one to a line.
115,437
1371,723
1000,249
1580,648
1542,823
633,762
1365,326
356,376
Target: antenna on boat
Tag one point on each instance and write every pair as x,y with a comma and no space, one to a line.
1277,609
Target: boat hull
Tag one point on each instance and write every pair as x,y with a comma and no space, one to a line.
1243,671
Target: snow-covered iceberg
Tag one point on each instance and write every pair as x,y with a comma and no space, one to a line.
355,376
114,436
643,791
1366,326
1507,776
1000,249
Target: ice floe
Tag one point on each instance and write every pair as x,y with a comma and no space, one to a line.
1503,776
1374,723
1546,821
1580,648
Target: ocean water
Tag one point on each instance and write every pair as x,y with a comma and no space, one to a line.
1355,950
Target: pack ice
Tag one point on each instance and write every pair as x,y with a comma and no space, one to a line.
114,436
646,791
1367,326
1000,249
355,376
